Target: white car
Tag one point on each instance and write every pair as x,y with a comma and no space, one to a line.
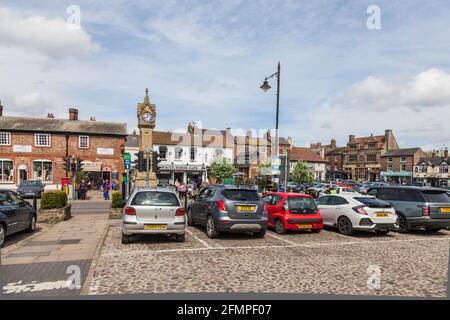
340,190
350,212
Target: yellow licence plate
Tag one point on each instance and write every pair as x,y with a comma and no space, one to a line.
155,227
245,208
304,226
382,215
444,210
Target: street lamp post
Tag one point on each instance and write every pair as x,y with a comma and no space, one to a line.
266,87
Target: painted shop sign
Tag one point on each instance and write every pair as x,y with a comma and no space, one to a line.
22,148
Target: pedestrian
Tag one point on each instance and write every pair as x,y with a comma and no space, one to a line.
82,189
106,188
182,190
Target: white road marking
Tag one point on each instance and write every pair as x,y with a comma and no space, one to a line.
20,287
309,245
281,239
198,239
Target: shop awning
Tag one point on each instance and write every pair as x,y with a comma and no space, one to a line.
89,166
396,174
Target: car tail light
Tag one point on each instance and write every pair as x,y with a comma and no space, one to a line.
179,212
360,210
129,211
221,205
425,211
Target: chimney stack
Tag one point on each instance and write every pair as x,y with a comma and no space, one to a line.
92,119
134,132
73,114
333,143
1,109
446,152
291,142
351,137
433,154
50,116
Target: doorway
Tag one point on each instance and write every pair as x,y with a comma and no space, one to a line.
22,174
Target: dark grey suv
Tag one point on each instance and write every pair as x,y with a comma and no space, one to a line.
228,209
417,207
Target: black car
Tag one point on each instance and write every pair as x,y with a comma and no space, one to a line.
15,215
228,209
30,189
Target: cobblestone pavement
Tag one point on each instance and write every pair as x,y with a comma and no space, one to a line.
415,264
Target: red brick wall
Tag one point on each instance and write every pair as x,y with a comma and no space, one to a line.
57,151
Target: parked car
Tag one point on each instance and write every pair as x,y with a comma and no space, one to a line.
292,211
228,209
153,211
357,212
15,215
417,207
338,190
30,189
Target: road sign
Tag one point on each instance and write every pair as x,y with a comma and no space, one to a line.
127,156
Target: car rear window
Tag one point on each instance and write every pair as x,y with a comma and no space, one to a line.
373,202
241,195
302,205
436,196
154,198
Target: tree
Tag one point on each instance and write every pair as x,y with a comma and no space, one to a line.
221,169
301,173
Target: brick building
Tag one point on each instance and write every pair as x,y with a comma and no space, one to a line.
35,148
433,171
398,165
316,164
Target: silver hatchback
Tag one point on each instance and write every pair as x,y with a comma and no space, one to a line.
153,211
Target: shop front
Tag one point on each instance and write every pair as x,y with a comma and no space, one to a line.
169,174
397,177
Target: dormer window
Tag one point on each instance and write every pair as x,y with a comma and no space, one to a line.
371,145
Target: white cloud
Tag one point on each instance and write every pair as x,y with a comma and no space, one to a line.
428,89
52,37
32,103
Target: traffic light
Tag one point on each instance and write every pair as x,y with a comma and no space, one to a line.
67,164
79,166
156,161
140,164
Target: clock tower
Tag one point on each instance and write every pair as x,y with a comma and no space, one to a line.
146,114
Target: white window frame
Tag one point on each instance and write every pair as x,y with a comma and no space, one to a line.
390,160
3,167
403,159
36,140
5,136
42,161
87,142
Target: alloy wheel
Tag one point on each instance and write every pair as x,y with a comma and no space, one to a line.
209,227
345,226
2,235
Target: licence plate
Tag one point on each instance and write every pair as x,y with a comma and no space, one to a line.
304,226
245,208
444,210
155,226
382,215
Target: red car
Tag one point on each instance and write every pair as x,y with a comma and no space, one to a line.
292,211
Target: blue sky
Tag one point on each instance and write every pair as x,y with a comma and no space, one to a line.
205,60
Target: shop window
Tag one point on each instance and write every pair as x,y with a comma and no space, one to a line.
5,138
6,171
42,140
43,170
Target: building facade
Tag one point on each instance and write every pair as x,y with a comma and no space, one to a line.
398,165
35,148
316,164
433,171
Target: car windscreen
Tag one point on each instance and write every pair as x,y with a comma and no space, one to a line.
372,202
30,184
240,195
302,205
156,199
436,196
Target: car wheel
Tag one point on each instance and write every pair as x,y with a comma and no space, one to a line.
2,234
279,227
211,230
345,226
32,226
189,218
260,234
403,225
126,239
180,237
382,232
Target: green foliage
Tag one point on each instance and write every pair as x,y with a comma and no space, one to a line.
301,173
221,169
117,200
53,199
265,169
80,176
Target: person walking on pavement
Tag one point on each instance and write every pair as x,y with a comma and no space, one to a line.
106,188
182,190
82,189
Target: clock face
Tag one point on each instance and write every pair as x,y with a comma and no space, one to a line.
146,116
